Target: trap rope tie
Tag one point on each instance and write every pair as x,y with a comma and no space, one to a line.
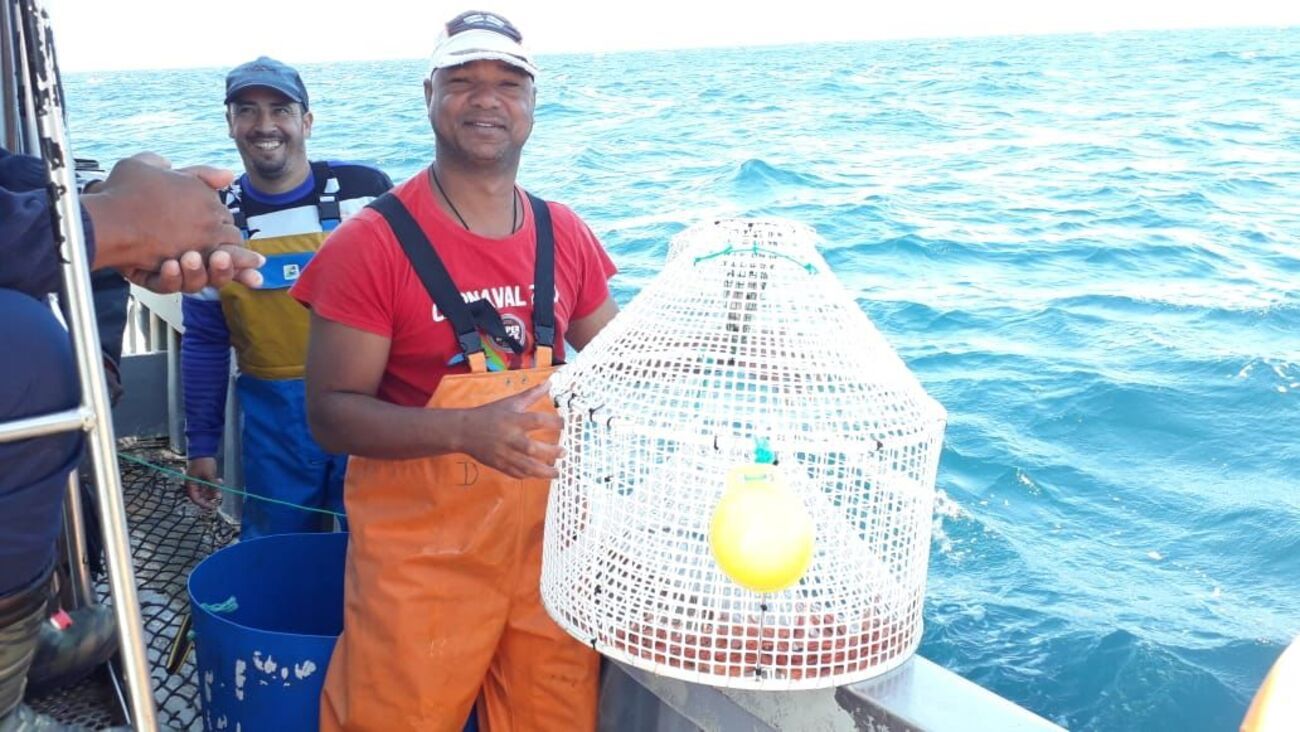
230,605
182,476
756,249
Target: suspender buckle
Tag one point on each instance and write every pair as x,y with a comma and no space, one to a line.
469,342
328,210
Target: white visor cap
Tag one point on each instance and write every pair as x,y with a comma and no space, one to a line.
478,44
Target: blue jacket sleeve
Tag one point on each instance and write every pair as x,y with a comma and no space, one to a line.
29,261
205,373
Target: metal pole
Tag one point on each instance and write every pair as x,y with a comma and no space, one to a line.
132,345
232,453
175,408
28,135
75,537
155,332
12,122
81,418
76,275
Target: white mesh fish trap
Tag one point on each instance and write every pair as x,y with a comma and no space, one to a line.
745,339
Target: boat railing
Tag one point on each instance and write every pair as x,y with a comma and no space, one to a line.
155,327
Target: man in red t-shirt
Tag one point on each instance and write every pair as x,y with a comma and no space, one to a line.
435,385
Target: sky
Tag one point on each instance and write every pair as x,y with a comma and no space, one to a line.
134,34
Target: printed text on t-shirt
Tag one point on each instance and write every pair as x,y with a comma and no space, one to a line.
502,297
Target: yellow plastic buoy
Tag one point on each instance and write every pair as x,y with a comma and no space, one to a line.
761,534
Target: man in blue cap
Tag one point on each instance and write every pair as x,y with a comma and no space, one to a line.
285,205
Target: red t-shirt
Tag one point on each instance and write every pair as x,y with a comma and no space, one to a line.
362,278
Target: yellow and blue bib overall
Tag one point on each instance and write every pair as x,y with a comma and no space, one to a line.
268,330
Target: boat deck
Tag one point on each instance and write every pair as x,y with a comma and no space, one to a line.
169,535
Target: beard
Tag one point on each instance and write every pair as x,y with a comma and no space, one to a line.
271,167
271,170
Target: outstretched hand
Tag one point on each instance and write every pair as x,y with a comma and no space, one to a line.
497,435
166,230
191,273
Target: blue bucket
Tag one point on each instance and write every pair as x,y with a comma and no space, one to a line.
267,613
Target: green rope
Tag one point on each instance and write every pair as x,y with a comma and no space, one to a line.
229,606
219,486
756,249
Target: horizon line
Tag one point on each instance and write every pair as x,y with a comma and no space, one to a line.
769,45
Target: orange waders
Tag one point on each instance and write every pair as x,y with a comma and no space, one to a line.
442,595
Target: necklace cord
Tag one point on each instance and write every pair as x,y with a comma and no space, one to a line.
514,203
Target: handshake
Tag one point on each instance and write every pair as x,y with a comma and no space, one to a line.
167,230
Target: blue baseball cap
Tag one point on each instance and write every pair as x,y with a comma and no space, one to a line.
269,73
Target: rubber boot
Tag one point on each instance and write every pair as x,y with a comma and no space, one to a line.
21,615
70,645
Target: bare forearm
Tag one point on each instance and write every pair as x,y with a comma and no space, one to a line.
357,424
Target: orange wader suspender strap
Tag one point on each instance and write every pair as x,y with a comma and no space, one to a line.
468,318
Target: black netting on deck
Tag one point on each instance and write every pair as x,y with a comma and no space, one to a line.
169,535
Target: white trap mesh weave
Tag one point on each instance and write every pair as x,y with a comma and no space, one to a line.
745,335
